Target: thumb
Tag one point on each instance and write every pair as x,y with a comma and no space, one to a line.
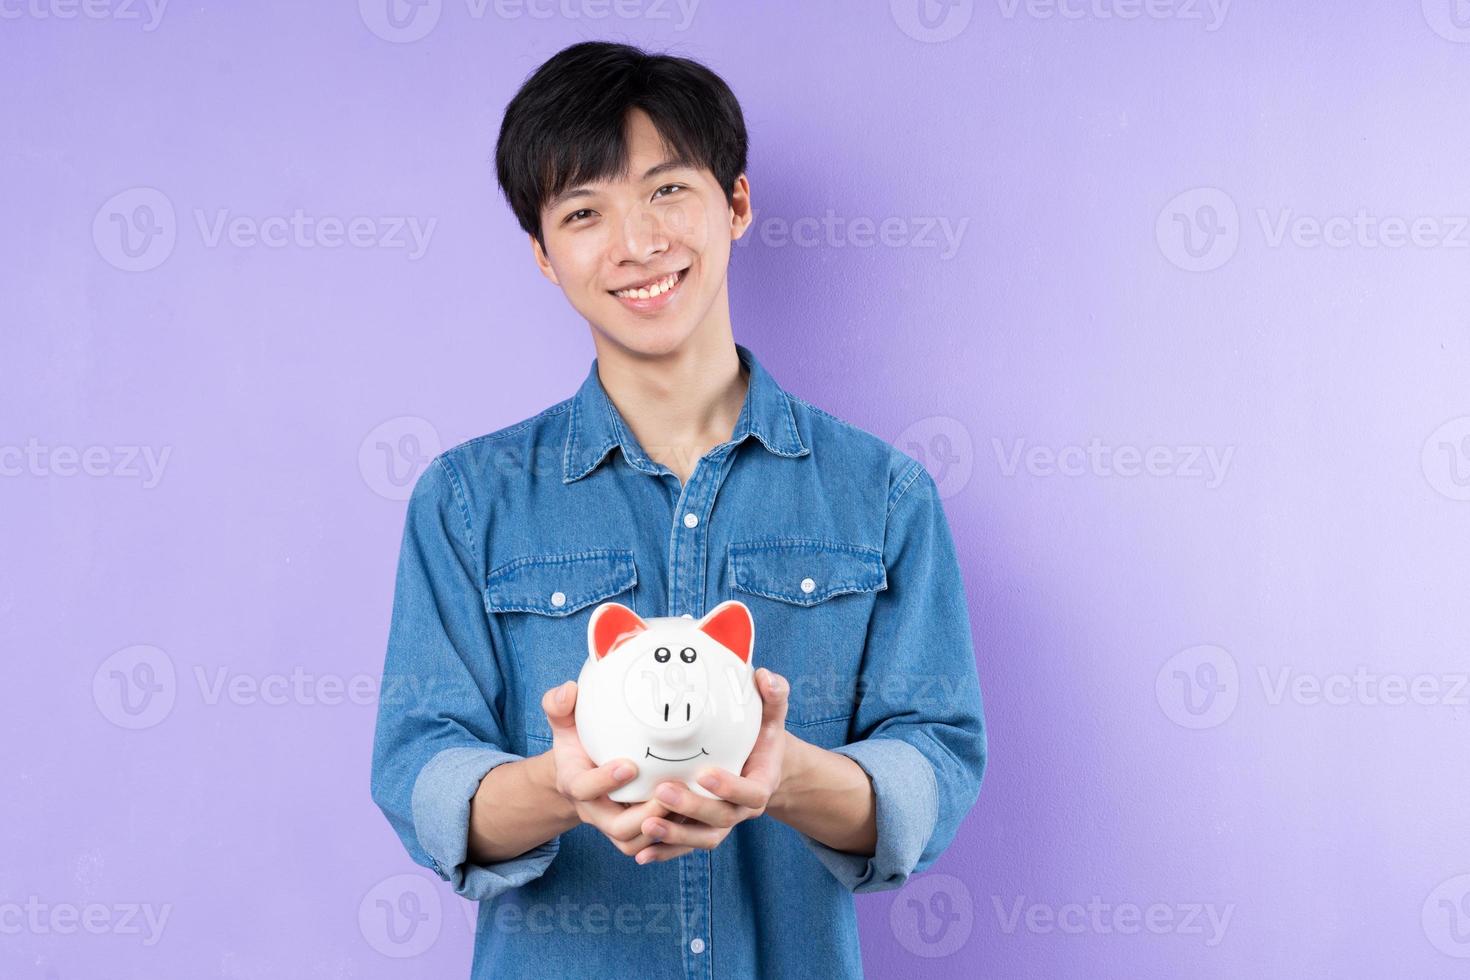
560,703
774,691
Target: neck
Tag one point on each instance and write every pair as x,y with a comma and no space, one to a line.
680,404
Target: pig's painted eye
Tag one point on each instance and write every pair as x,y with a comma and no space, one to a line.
687,655
662,655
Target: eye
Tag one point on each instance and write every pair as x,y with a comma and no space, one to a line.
660,191
572,218
687,655
661,655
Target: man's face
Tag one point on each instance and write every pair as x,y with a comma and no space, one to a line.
668,231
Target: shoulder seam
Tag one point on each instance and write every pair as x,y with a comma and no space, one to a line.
462,502
904,482
513,428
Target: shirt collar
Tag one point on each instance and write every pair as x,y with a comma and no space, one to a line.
594,425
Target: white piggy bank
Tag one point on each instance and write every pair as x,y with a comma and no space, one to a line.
674,695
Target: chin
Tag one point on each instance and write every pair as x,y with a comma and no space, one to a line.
650,339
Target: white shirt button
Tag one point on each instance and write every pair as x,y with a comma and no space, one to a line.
687,616
558,598
690,520
696,945
807,585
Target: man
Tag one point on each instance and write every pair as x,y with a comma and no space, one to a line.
678,476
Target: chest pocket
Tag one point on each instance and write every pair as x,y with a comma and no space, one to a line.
543,603
811,600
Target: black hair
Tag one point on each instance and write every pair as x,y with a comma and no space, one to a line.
565,125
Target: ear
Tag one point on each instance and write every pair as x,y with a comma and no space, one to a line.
731,624
611,624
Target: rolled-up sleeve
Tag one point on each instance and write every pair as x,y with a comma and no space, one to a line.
439,728
918,730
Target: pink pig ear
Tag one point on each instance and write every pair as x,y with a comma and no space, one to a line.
611,624
731,624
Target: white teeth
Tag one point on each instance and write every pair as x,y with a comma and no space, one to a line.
657,289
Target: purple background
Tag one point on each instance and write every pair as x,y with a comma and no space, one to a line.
1133,625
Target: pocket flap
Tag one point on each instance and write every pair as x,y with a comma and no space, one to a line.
805,571
559,584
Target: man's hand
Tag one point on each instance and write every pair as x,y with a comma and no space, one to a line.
708,822
586,785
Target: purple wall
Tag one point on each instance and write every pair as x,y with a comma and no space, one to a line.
1169,296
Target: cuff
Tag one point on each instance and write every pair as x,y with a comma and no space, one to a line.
906,798
441,819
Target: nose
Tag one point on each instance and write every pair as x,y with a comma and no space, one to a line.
671,710
641,237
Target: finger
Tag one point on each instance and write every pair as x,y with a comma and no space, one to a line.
600,812
638,843
560,704
764,763
739,790
690,834
660,852
601,780
629,824
625,821
680,799
774,699
625,829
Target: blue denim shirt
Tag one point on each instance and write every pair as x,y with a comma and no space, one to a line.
838,544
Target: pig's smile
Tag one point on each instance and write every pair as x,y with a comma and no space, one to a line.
649,752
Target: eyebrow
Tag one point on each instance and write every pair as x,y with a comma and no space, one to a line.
585,191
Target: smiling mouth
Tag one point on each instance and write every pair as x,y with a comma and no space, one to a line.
646,300
649,752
